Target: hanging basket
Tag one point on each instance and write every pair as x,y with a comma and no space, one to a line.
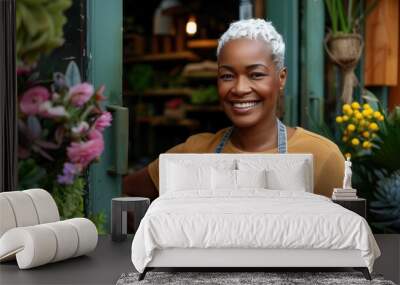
345,51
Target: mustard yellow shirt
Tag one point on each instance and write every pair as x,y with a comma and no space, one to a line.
328,160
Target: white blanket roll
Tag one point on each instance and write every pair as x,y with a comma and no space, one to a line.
23,208
41,244
26,208
45,205
7,218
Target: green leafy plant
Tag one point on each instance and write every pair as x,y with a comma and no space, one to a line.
205,95
386,206
376,167
30,174
347,16
140,77
39,26
70,197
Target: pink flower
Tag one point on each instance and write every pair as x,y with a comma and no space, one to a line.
32,99
95,134
81,93
47,110
85,152
81,128
103,121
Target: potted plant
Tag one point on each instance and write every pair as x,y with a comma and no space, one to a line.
344,42
371,136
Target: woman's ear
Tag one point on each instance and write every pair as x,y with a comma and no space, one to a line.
282,78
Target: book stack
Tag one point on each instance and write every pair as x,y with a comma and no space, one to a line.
344,194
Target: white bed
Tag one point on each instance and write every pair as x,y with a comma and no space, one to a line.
202,219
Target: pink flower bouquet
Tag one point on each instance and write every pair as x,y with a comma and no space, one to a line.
61,125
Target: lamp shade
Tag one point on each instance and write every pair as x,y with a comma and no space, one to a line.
163,24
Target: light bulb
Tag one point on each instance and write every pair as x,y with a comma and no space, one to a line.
191,26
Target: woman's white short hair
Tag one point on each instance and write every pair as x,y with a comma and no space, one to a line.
256,29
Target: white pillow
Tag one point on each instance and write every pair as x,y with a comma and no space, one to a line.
251,178
223,179
290,179
236,179
191,177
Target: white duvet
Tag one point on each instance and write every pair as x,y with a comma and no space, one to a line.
250,219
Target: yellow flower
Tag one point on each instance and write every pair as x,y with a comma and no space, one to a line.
363,123
377,114
351,127
339,119
345,118
346,107
366,144
365,134
355,141
347,155
355,105
366,106
373,127
349,112
367,113
359,116
381,118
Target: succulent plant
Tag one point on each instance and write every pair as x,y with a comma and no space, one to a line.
39,25
386,207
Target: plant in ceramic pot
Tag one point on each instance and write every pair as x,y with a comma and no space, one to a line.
344,42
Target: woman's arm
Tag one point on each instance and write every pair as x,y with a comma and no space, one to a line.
139,184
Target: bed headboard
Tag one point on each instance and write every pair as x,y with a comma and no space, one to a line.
278,162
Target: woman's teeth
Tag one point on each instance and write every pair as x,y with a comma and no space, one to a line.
245,105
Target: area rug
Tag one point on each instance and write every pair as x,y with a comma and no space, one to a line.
243,278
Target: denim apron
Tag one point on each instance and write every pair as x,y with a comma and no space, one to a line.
282,138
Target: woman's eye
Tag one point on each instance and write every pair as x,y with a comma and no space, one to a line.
257,75
226,76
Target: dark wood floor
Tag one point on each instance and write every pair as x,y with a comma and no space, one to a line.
106,264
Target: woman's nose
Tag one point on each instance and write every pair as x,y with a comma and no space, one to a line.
242,86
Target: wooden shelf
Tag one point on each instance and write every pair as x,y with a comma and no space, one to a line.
166,121
202,44
171,56
162,92
203,108
203,75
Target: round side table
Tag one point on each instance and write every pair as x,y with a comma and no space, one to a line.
119,208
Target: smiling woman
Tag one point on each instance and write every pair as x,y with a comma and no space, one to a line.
251,74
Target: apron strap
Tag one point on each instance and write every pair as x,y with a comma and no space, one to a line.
282,138
223,141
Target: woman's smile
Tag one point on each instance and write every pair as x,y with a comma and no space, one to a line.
244,107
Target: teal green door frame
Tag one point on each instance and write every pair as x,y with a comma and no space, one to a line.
104,54
312,62
302,24
284,15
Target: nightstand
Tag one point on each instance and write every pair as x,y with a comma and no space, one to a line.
358,206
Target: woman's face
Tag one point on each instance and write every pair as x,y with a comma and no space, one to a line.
248,82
